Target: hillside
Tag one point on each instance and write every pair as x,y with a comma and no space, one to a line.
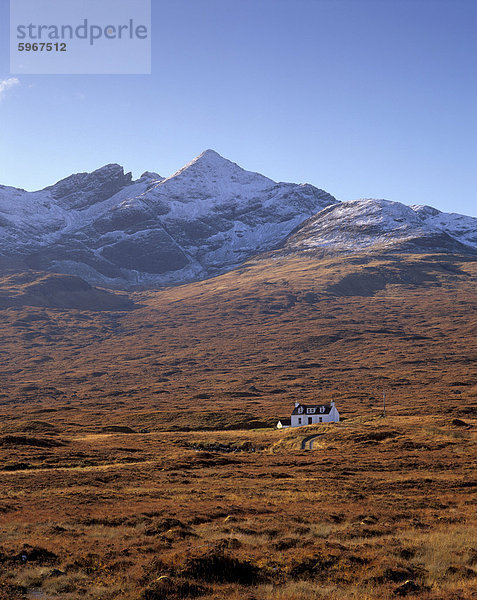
251,342
139,459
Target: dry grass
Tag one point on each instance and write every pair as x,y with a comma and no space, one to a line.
344,519
194,496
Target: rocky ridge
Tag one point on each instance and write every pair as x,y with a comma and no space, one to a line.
203,220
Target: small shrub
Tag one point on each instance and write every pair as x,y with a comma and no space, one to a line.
408,587
399,574
89,563
229,543
164,525
216,566
286,544
37,555
407,553
312,567
460,572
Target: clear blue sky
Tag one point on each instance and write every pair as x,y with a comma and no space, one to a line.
364,98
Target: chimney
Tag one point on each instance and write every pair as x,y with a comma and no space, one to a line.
297,404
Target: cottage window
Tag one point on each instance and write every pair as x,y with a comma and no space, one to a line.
322,409
310,411
299,420
300,410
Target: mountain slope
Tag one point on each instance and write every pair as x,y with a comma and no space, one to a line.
204,219
383,226
52,290
256,338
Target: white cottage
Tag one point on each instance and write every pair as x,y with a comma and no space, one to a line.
309,414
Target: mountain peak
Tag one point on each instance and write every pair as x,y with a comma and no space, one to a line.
208,159
151,175
208,217
210,154
81,189
210,169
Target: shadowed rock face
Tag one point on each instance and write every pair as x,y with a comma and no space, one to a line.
203,220
155,253
83,189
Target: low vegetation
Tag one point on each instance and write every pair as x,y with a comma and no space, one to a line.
245,514
138,459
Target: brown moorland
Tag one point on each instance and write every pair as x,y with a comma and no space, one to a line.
138,454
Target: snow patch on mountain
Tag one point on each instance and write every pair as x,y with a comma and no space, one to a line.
371,224
204,219
460,227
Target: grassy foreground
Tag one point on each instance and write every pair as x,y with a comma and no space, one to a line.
377,509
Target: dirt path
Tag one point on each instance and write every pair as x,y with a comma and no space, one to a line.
310,439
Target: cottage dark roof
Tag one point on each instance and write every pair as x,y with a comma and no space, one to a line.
315,409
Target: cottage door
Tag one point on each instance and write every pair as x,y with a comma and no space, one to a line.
310,420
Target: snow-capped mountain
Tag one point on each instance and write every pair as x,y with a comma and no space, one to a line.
204,219
384,226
